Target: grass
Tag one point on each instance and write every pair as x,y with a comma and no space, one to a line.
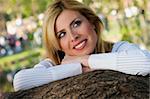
23,59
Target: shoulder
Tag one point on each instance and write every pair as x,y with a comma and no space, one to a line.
124,45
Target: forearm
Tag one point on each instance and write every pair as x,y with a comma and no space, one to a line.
29,78
131,62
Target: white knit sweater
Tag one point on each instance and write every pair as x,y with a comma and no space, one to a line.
125,57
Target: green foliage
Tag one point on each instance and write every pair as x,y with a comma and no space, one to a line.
24,7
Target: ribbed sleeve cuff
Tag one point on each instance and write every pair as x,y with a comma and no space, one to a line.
66,70
103,61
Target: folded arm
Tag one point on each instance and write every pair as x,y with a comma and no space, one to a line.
42,74
125,57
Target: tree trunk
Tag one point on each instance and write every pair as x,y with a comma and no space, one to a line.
99,84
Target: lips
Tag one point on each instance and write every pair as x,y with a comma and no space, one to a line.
80,45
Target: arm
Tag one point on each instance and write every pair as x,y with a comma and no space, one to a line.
42,74
125,57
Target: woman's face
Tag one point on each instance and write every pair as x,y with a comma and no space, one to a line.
75,33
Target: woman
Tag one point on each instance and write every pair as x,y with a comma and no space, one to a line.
73,43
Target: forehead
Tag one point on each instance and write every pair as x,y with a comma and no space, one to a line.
65,18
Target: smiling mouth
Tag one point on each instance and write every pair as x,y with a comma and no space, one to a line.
81,45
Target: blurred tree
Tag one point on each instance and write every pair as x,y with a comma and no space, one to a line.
134,29
23,7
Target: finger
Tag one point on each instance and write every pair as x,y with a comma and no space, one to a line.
86,69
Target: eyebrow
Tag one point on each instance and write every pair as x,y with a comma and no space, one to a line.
73,21
69,25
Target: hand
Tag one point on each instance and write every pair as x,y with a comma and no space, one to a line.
78,59
86,69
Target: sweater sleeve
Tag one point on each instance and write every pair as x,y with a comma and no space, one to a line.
125,57
29,78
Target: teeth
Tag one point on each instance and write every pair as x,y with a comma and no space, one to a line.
79,45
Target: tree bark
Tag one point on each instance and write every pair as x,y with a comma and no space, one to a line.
99,84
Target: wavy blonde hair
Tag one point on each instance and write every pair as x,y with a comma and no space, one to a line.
51,43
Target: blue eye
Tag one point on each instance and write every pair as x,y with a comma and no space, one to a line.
76,23
61,34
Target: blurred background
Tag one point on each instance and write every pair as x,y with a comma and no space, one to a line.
21,22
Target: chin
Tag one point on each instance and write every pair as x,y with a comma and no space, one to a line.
85,53
81,53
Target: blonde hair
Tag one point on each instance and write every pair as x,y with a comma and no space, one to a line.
51,14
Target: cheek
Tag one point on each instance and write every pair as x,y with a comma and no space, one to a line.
64,44
88,29
92,36
95,38
95,35
91,33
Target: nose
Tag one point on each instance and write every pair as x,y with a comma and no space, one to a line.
74,36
